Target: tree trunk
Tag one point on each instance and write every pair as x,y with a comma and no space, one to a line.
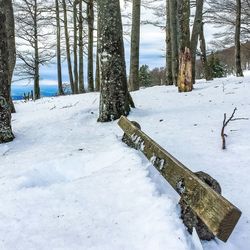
169,76
195,34
174,39
97,72
185,66
58,48
184,18
135,46
81,75
68,46
207,71
114,97
90,15
6,134
75,48
37,63
10,26
239,71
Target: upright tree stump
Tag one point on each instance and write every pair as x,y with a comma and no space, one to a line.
185,72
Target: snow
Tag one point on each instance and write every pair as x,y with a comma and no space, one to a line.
68,182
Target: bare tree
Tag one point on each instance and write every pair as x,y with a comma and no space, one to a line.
169,76
174,39
75,20
195,34
67,42
135,46
81,73
35,49
234,17
90,18
239,71
97,74
206,70
58,46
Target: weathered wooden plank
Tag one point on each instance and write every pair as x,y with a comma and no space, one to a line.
214,210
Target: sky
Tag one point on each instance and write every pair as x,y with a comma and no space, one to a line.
152,48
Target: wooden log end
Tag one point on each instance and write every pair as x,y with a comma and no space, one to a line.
218,214
228,224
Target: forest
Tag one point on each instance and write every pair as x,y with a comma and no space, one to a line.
96,165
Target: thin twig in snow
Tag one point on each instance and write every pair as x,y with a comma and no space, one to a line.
225,123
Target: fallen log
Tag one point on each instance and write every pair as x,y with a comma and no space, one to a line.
219,215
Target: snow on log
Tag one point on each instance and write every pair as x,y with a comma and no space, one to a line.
214,210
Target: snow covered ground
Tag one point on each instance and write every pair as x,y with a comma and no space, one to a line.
69,183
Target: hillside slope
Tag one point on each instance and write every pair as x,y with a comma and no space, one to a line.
68,182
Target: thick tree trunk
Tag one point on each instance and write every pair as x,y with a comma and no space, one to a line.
174,39
81,75
114,97
37,63
68,46
206,70
239,71
135,46
195,34
90,15
75,48
6,134
10,26
169,76
58,48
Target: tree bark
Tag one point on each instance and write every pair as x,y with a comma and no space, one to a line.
185,66
97,72
37,63
184,18
169,76
206,70
10,26
6,134
90,16
239,71
68,46
135,46
174,39
75,48
58,48
195,34
114,97
81,75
